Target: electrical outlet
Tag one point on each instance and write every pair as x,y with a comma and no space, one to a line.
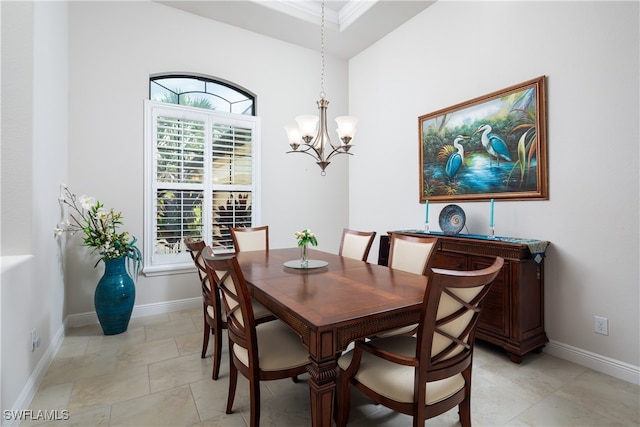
602,325
35,340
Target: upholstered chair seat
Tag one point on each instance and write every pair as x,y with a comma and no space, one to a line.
395,381
278,348
430,373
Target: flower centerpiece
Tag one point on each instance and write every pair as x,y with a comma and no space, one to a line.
305,238
115,294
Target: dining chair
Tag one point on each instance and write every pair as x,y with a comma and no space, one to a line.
261,352
428,374
413,254
250,238
356,244
214,316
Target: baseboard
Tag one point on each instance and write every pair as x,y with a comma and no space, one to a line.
597,362
91,318
33,382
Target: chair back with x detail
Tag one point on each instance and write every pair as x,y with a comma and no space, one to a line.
428,374
214,321
260,351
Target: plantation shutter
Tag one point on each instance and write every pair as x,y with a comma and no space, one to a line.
232,179
201,171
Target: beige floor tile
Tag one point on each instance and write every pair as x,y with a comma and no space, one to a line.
97,391
85,331
70,369
223,420
605,395
551,366
210,397
148,320
153,375
557,411
96,418
190,312
497,399
178,371
192,343
146,353
531,384
53,398
170,329
166,408
73,346
102,343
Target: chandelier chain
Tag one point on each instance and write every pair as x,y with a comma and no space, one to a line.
322,92
310,136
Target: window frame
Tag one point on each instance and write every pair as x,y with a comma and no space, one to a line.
163,264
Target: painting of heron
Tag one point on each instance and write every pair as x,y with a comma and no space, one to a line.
491,147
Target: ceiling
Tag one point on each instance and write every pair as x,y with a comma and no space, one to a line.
350,26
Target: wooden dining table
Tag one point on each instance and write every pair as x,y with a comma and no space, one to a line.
330,307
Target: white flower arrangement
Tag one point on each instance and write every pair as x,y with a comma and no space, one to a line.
306,237
100,227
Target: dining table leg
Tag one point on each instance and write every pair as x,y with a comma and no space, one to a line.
322,388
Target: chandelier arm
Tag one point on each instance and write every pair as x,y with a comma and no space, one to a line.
306,151
335,151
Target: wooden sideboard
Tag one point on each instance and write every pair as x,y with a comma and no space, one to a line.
513,312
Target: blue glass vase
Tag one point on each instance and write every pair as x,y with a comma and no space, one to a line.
114,297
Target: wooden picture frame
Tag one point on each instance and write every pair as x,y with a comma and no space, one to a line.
491,147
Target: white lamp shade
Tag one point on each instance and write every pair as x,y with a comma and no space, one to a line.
293,132
308,124
346,126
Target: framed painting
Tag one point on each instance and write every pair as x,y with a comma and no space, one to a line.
491,147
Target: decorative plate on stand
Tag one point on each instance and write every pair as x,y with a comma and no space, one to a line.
452,219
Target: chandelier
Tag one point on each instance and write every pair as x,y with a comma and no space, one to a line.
306,137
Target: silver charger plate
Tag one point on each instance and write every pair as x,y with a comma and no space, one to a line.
313,263
452,219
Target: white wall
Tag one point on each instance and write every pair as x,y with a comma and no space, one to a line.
34,153
434,61
456,51
114,48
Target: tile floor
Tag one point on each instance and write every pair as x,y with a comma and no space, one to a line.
152,375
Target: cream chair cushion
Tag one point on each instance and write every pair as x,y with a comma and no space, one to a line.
278,348
410,256
354,246
396,381
251,240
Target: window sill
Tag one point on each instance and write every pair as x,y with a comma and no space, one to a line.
164,270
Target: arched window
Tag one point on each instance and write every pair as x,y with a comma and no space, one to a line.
202,92
201,163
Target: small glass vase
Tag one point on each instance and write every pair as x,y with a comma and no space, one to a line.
304,257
